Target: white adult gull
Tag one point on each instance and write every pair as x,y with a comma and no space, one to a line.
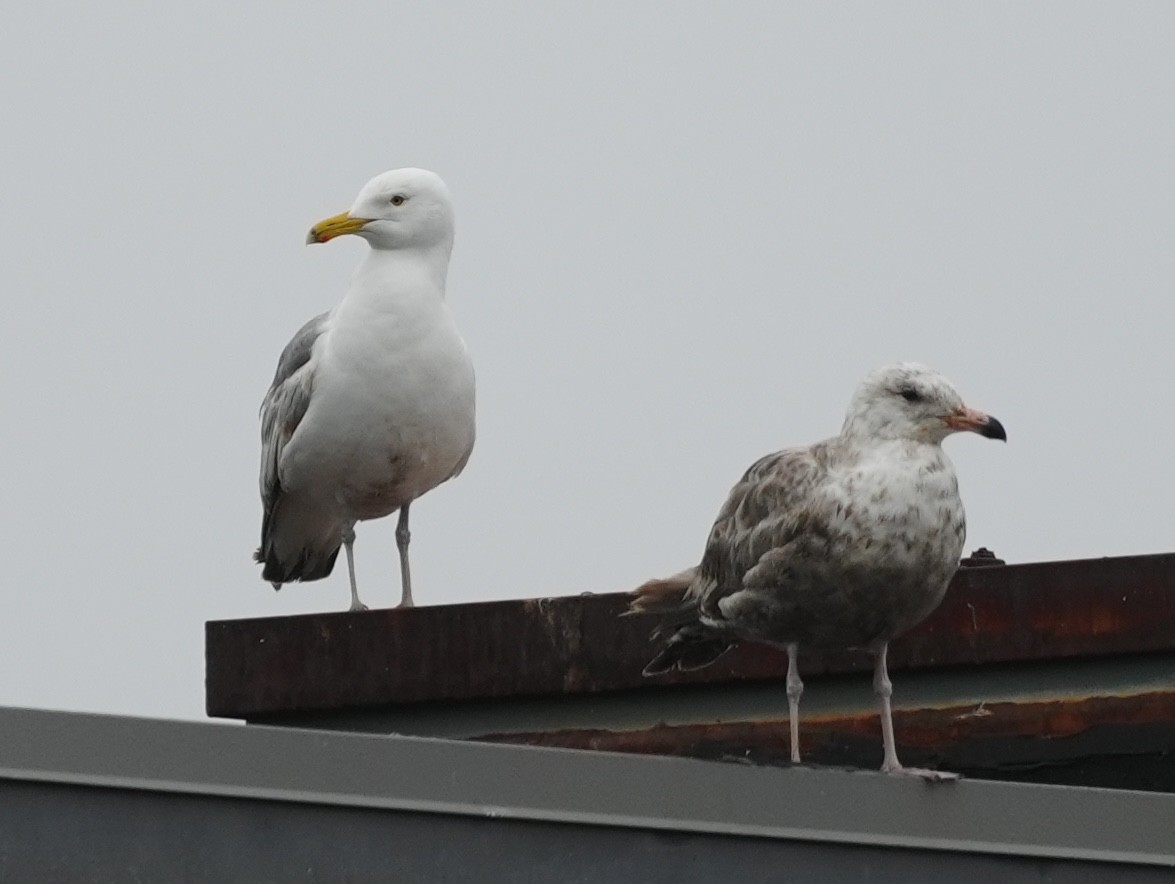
372,404
847,543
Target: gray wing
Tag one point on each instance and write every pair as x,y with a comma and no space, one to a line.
770,508
285,405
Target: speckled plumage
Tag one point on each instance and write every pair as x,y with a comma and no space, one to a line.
812,539
843,544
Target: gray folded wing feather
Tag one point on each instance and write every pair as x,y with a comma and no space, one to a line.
285,405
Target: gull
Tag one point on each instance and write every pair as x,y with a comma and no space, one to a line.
372,404
847,543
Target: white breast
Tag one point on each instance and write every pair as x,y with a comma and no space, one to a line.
905,499
391,414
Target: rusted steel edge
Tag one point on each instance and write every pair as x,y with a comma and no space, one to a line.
943,734
580,644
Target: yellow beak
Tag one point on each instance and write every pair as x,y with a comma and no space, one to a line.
339,225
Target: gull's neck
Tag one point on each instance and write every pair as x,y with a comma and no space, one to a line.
861,432
860,435
415,267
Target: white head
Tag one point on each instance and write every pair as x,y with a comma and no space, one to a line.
401,209
911,401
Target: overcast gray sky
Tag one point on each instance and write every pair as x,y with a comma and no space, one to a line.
685,232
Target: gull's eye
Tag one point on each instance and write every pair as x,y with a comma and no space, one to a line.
910,394
398,199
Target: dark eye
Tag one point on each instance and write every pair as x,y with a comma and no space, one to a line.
398,199
910,394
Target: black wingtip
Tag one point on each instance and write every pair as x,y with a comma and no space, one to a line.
309,566
659,665
691,647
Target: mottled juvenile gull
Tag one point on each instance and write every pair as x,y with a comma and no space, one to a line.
372,404
844,544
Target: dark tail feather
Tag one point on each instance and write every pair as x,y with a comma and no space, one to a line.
298,542
691,647
310,565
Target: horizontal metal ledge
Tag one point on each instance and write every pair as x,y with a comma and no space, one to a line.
580,644
1096,722
825,698
593,788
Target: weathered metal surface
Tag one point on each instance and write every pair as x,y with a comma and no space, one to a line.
102,798
979,739
86,833
580,644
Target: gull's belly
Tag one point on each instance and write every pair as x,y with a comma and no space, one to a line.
386,428
841,607
897,561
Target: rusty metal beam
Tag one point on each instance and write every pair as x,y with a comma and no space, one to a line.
1106,721
580,645
997,740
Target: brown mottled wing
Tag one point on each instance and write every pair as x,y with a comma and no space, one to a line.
771,506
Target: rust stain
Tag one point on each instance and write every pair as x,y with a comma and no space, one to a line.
927,729
580,645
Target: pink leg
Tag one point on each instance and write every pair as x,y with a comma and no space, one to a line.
883,687
795,688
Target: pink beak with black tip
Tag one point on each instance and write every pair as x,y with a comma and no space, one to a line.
974,421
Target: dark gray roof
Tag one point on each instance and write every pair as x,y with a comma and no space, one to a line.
195,800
